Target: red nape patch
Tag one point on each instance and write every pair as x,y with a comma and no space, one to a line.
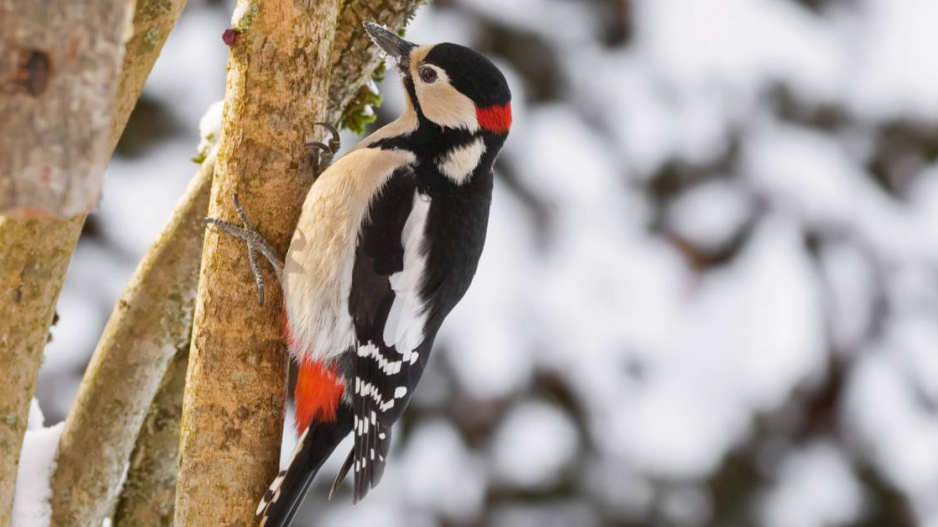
318,391
495,118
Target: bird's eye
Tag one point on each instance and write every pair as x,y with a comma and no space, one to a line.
428,75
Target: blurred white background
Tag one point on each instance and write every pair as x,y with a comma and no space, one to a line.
710,290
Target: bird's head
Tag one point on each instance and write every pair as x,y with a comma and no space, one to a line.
449,85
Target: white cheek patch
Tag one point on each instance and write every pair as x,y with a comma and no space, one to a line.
459,163
443,104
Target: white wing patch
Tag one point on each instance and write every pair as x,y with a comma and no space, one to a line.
403,330
459,163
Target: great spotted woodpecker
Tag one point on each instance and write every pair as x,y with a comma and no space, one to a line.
387,243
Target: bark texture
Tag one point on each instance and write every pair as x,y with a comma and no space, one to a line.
34,257
150,324
153,21
354,57
148,496
59,67
233,409
29,290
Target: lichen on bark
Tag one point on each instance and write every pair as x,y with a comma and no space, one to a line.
149,494
29,290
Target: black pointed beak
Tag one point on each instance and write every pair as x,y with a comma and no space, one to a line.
393,45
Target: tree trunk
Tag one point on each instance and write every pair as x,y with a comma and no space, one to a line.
233,408
149,494
58,76
30,287
151,323
234,402
34,257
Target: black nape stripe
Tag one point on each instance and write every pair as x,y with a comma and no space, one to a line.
412,95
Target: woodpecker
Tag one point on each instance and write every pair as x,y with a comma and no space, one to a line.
387,244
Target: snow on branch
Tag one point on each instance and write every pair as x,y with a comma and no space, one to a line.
31,507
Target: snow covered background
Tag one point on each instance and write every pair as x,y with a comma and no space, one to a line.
710,291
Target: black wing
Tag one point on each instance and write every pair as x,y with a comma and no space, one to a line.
386,277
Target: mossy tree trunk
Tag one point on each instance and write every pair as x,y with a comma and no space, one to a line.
277,87
59,65
57,76
150,324
30,287
34,254
149,495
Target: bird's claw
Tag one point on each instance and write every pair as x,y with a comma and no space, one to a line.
335,141
255,243
325,149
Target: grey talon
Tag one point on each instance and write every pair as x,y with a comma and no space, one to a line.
255,243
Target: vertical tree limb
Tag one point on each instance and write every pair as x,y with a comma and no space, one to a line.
58,75
34,257
277,87
152,474
30,287
150,323
153,21
149,495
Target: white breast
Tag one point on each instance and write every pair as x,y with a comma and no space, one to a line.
317,273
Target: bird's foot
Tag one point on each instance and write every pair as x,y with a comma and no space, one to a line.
322,152
255,242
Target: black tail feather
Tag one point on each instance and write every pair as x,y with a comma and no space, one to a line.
281,502
340,477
